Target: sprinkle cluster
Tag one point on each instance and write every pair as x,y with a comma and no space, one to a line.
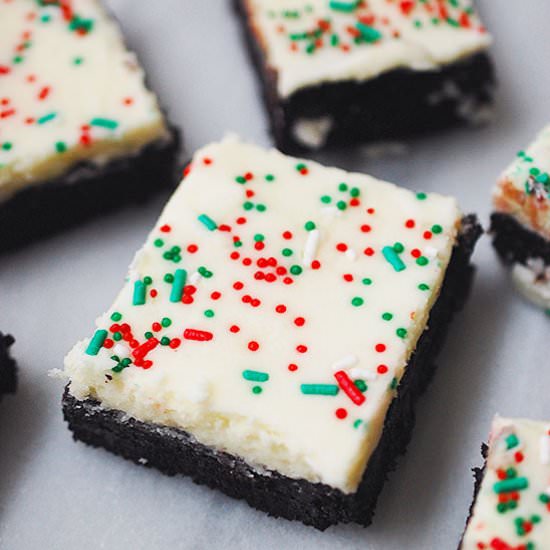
351,24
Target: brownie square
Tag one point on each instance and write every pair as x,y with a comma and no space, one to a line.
341,73
80,132
520,223
275,332
512,490
8,378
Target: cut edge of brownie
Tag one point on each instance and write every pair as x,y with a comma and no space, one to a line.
515,243
88,190
390,114
8,374
173,451
478,475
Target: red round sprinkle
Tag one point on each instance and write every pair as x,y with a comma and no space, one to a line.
165,228
234,255
234,328
341,247
382,369
299,321
354,202
519,456
287,235
280,308
215,295
174,343
341,413
255,302
128,101
368,251
248,176
247,261
410,224
288,280
301,348
427,235
315,264
207,160
415,253
153,293
380,348
156,326
238,285
370,210
241,220
192,248
292,367
253,346
108,343
365,228
259,245
348,277
249,193
186,299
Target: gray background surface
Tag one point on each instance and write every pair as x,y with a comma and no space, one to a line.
57,494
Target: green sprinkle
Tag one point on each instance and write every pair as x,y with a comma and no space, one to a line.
341,5
436,229
7,146
393,383
341,205
421,196
209,313
46,118
261,207
401,332
166,322
78,61
422,260
319,389
369,34
398,247
46,18
357,301
255,376
508,485
354,192
96,342
147,280
104,123
179,279
423,286
392,257
361,385
357,423
325,199
287,252
257,390
387,316
343,187
60,146
296,270
240,179
148,334
309,226
164,341
512,441
158,243
139,293
301,167
269,177
367,281
248,205
168,278
116,316
17,59
208,222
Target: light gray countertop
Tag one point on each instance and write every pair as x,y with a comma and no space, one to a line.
55,493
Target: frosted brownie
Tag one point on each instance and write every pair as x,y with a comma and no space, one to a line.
512,504
7,365
521,219
337,72
275,331
80,133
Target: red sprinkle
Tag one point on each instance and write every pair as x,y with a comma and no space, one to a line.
292,367
341,413
382,369
234,328
349,388
380,348
198,335
253,346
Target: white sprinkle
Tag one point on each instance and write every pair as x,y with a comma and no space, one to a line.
195,278
312,244
345,362
430,252
362,373
351,254
545,449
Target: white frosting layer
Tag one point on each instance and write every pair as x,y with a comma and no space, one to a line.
302,275
533,281
523,190
512,511
69,91
309,42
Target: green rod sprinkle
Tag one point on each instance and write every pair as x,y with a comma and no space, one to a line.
46,118
208,222
319,389
393,258
255,376
508,485
180,277
340,5
139,293
96,342
104,123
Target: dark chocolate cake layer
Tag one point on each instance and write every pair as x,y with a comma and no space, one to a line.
174,451
88,190
8,378
395,105
515,243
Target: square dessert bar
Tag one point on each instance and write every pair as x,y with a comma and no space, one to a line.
338,72
511,510
274,332
80,133
8,378
520,223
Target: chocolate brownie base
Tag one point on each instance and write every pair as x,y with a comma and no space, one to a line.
174,451
86,191
396,105
515,243
478,478
7,365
